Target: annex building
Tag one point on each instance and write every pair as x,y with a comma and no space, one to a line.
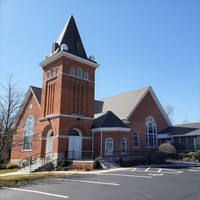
62,120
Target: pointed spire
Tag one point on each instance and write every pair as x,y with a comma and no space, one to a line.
70,36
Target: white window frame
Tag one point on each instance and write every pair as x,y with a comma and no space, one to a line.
86,76
109,149
72,71
28,133
151,132
123,144
138,140
79,73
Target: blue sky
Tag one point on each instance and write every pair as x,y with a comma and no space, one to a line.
137,43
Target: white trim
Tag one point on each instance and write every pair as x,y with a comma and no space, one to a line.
53,116
156,101
67,136
77,77
163,136
55,56
111,129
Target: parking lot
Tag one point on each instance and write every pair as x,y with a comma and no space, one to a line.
139,183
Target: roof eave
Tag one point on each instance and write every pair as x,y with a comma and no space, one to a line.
110,129
61,53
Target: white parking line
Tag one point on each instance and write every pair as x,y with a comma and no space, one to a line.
126,175
157,170
93,182
37,192
147,169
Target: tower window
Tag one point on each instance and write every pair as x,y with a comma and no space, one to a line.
79,73
86,76
72,71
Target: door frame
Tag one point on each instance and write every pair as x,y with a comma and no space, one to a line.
71,154
49,141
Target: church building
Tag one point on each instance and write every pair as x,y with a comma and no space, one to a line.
62,120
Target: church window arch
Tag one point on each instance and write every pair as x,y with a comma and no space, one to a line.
109,146
151,132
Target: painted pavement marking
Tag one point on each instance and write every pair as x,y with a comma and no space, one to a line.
37,192
92,182
158,170
126,175
197,169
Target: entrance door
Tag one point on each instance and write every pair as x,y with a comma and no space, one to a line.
49,145
75,145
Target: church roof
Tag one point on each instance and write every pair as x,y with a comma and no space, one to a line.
121,104
71,37
124,105
108,120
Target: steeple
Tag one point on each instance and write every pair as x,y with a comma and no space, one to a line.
70,37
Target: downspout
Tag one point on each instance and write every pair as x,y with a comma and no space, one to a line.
101,145
92,145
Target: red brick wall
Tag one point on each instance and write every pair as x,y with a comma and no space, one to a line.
147,107
31,108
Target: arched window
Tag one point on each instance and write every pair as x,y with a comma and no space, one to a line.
108,146
151,132
28,133
86,76
123,146
72,71
135,140
79,73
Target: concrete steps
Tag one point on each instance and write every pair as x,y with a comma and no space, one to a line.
31,168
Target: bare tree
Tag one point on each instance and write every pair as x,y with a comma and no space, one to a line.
10,101
169,109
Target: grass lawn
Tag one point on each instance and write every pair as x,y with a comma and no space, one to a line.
24,179
4,171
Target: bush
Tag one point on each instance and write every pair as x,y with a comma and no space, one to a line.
167,148
47,167
190,154
181,155
96,164
197,155
65,163
9,166
158,157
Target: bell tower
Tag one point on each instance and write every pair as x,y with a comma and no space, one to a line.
68,77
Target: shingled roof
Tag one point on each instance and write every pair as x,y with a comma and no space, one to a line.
190,129
71,37
37,92
108,120
121,104
124,105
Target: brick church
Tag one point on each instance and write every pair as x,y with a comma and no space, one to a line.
62,120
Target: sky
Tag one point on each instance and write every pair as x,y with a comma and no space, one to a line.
138,43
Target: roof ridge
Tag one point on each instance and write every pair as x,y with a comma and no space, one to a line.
125,93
